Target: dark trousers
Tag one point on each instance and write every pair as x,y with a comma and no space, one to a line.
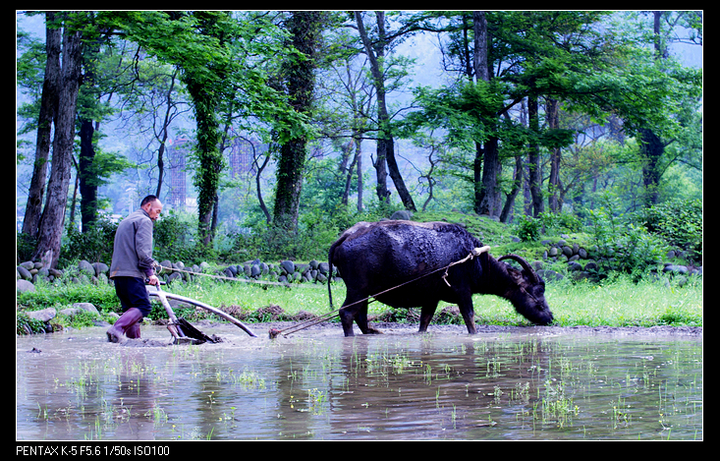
132,293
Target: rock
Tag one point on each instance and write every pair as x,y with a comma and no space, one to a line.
574,266
550,275
581,275
582,252
288,266
89,307
44,315
86,268
592,266
567,251
402,215
676,269
28,265
25,285
553,251
24,273
255,270
100,268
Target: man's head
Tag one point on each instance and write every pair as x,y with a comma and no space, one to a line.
152,206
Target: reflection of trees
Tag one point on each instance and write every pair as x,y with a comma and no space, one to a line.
427,391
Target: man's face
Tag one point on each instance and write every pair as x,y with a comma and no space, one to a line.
153,209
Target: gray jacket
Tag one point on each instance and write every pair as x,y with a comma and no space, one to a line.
132,251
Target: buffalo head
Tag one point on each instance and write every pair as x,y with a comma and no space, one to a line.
527,292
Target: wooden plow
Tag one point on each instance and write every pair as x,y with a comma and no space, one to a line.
181,328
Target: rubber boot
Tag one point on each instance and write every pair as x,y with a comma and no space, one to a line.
133,332
117,332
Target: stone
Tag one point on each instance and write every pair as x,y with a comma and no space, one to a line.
574,266
44,315
28,265
86,268
402,215
255,270
100,268
24,273
676,269
89,307
24,286
288,266
592,266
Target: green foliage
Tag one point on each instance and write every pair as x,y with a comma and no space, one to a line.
95,244
174,239
679,222
60,295
529,228
25,246
624,246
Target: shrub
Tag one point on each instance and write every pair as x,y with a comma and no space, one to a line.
528,228
624,246
679,222
95,244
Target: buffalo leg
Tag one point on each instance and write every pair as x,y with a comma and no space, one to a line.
468,313
347,317
426,315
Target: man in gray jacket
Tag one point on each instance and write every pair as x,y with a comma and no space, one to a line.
133,264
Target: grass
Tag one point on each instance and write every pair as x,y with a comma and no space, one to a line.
617,302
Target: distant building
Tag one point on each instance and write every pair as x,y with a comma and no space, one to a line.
177,177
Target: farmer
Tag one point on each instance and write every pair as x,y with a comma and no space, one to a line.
133,264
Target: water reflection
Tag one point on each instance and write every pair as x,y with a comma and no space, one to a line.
398,386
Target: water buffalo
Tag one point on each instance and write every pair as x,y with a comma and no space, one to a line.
375,257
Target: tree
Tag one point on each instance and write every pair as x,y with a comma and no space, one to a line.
48,109
652,147
376,49
305,29
68,81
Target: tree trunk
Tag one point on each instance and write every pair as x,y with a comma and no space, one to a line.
385,143
553,116
48,108
477,177
487,196
651,146
87,175
53,216
534,165
490,192
517,185
359,176
651,149
207,178
305,29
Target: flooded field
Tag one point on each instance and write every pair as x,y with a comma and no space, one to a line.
526,384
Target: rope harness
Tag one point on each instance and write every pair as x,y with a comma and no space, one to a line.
273,333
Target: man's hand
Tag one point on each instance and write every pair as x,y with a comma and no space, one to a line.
153,280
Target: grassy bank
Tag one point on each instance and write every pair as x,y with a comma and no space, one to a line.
615,302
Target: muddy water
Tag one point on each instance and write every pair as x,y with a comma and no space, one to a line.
314,385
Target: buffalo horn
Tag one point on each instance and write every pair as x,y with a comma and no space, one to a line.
523,263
